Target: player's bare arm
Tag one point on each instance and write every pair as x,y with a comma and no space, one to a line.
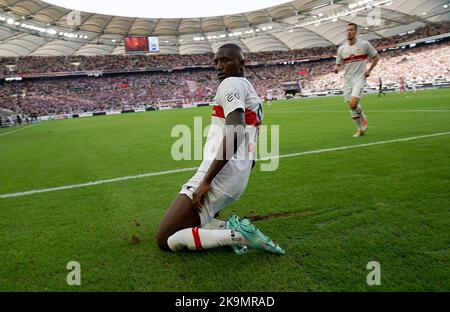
373,62
231,141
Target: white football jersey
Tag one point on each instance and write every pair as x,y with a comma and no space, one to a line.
355,57
233,93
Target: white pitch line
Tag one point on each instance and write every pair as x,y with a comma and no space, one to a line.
409,111
367,111
152,174
66,187
340,148
24,127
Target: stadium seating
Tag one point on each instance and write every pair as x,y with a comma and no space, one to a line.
269,70
35,64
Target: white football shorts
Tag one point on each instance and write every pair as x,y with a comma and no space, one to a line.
215,201
354,88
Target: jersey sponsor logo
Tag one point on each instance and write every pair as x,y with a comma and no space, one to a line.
355,58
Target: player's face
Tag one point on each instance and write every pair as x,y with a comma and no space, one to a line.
351,32
228,64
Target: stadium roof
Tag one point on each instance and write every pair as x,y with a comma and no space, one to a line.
167,8
34,27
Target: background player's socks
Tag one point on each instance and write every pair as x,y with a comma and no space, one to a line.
198,239
215,224
356,118
357,115
363,118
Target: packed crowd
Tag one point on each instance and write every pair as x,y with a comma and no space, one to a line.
42,64
124,91
419,65
77,95
28,65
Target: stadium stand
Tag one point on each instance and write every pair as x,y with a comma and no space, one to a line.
41,64
78,84
139,90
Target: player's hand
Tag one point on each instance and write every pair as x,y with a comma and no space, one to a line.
336,69
199,196
367,74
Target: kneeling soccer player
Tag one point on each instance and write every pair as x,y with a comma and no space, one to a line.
222,177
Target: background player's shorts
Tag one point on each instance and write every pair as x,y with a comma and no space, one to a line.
215,201
354,88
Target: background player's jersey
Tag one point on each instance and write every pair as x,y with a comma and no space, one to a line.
233,93
355,57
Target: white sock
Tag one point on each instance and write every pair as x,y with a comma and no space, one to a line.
215,224
361,112
357,115
198,239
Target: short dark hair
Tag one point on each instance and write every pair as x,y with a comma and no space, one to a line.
230,46
353,24
234,47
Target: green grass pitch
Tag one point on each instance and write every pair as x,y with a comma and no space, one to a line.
333,212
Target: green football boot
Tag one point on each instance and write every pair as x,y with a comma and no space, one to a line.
232,224
253,235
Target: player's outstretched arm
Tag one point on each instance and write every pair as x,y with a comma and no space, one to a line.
234,136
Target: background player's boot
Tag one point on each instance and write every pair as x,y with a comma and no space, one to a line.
257,238
358,133
232,224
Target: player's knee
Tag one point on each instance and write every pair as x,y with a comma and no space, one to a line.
353,105
161,240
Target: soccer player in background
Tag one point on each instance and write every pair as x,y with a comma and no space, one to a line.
402,85
269,97
222,177
414,85
380,87
355,54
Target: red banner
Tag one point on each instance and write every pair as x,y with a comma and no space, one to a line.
303,72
